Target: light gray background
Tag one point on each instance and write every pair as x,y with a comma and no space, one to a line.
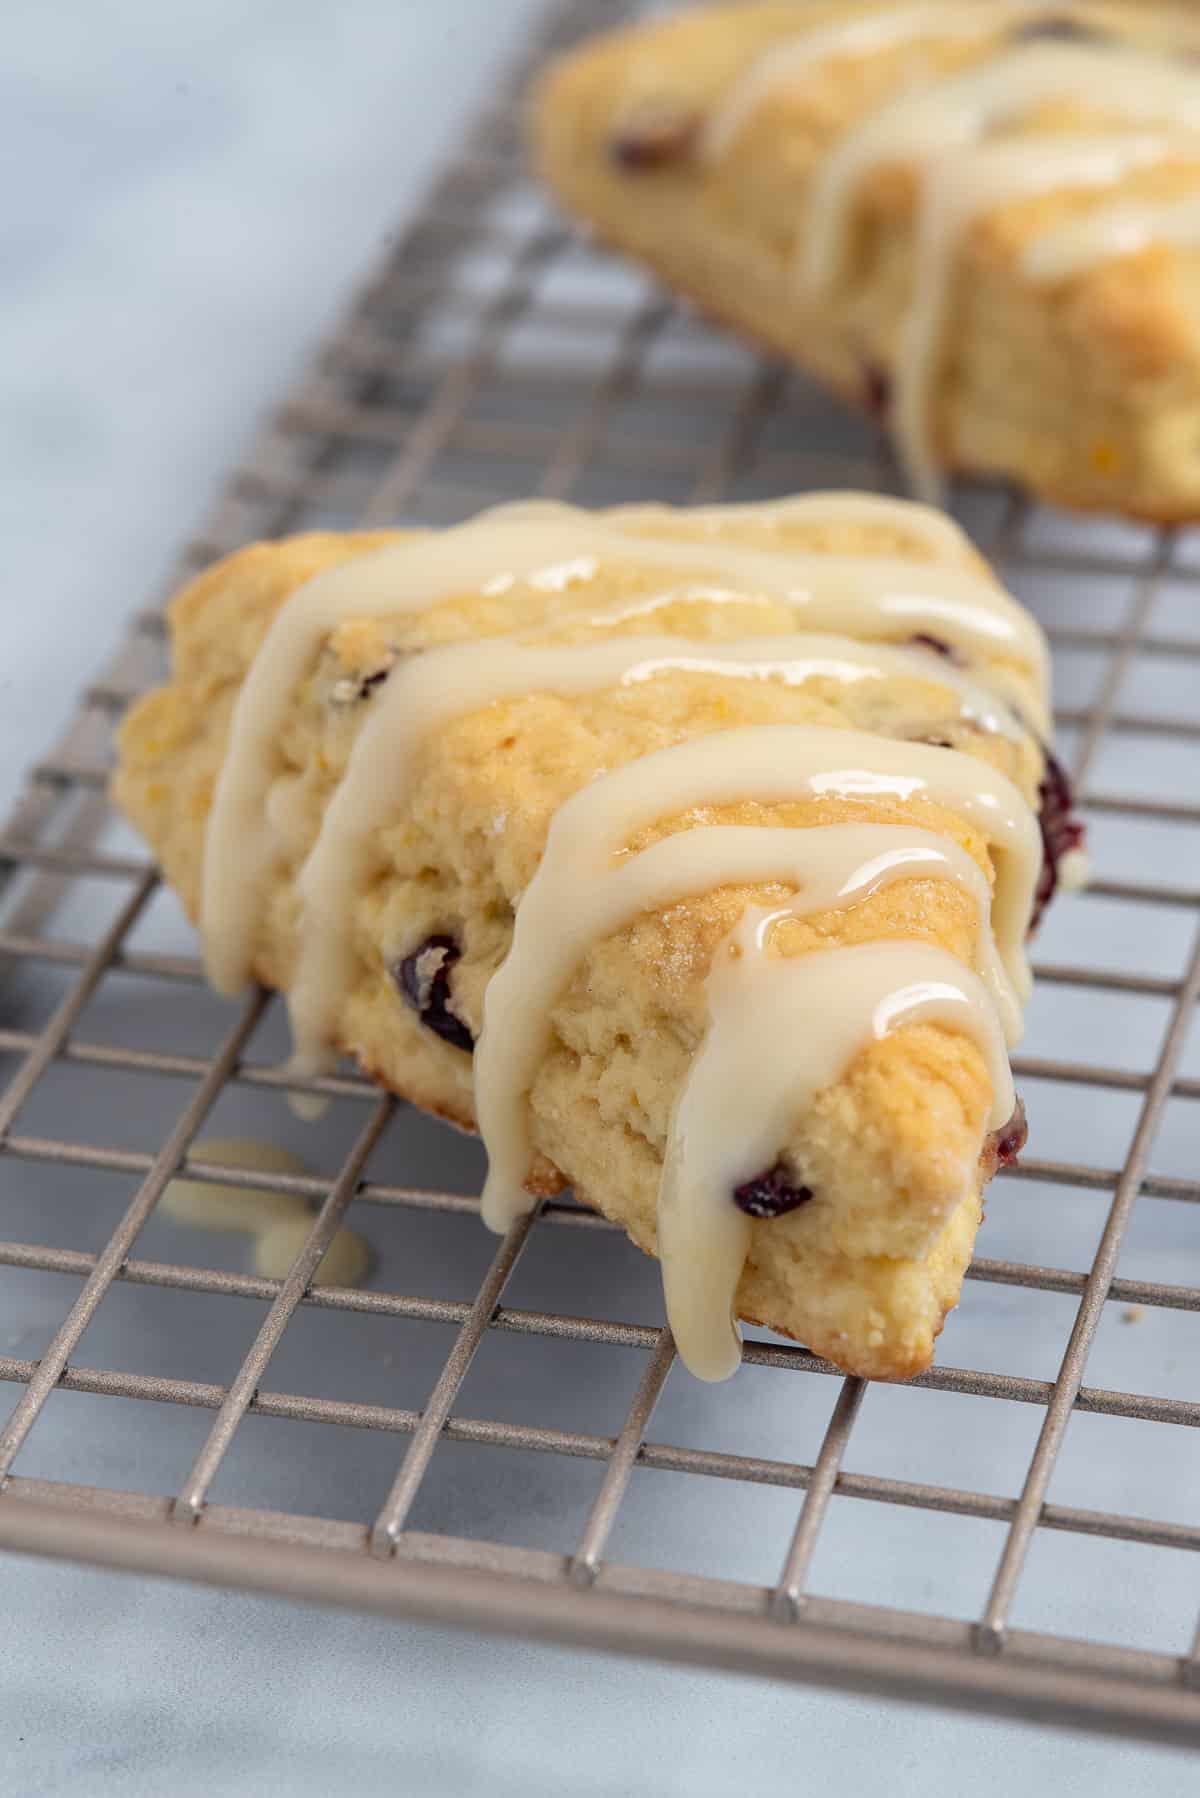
194,184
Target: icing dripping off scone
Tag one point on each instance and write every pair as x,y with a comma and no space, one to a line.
737,1104
956,195
580,894
964,654
954,131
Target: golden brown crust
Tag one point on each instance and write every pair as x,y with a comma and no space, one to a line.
1166,515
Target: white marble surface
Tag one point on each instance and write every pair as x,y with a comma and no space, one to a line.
196,180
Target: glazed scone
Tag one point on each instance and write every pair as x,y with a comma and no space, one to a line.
980,222
687,854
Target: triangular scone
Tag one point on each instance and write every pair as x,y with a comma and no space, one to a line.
980,222
761,785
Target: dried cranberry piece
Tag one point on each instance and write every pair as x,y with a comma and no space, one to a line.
652,136
423,979
940,647
352,688
1003,1146
1060,28
1061,831
771,1194
877,391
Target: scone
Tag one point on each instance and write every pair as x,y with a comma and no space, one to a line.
981,222
687,855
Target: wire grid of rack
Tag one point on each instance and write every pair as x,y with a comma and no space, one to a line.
495,355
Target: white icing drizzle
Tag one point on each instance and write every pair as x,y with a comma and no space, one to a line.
738,1105
588,885
1074,871
431,690
576,879
875,597
1022,701
956,195
948,117
1109,232
794,659
286,813
555,548
937,128
932,528
834,866
790,63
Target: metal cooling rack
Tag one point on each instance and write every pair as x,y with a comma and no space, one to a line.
494,355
